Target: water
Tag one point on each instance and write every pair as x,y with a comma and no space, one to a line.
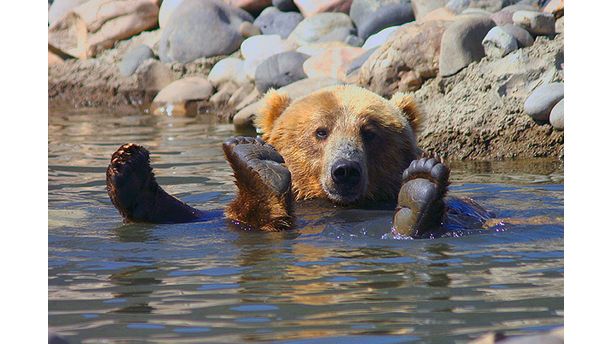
333,280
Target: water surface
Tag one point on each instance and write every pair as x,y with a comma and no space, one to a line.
332,280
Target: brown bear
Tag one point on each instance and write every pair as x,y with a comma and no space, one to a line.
341,143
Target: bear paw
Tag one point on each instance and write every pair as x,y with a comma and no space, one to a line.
264,198
420,205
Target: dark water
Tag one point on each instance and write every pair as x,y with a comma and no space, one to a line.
333,280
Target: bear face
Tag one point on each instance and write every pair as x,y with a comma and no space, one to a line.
342,143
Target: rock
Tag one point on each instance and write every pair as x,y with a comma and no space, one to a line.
476,11
247,30
279,23
241,95
323,27
539,104
54,59
422,7
556,116
331,63
522,36
201,28
174,99
354,41
504,16
249,99
223,95
441,13
244,118
371,16
102,23
408,58
280,70
554,7
254,55
461,43
559,25
310,8
153,76
498,43
230,69
357,62
285,5
535,22
166,9
457,6
379,38
318,48
133,58
251,6
60,8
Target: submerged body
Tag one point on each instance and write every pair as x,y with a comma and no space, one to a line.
343,144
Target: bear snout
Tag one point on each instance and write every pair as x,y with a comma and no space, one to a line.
346,173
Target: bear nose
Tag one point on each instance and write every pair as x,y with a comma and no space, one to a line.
346,173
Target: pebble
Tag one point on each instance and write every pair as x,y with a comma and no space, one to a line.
275,22
535,22
280,70
498,43
541,101
461,43
379,38
228,69
323,27
522,36
556,116
134,58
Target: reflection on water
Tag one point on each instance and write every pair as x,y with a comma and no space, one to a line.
332,279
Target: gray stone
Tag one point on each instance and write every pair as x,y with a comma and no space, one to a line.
371,16
539,104
354,41
522,36
133,58
498,43
228,69
556,116
359,61
422,7
274,22
504,16
201,28
165,10
536,23
379,38
280,70
461,43
247,29
323,27
285,5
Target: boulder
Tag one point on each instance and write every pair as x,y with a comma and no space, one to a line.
254,55
243,120
499,43
280,70
371,16
379,38
540,103
332,63
175,98
535,22
323,27
251,6
230,69
165,10
60,8
285,5
134,58
422,7
310,8
462,43
102,23
556,116
275,22
522,36
201,28
406,60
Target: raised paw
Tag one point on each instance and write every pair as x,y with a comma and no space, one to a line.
420,205
264,199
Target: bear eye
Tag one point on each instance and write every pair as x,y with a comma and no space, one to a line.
321,133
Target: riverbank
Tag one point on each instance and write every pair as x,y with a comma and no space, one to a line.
472,79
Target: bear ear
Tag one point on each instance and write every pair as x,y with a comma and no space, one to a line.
274,104
409,108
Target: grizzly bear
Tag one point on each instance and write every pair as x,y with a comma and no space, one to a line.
341,143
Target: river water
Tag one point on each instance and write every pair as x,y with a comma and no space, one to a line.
334,279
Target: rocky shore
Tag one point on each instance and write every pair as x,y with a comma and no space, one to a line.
488,74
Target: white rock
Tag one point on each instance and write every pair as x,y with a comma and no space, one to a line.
499,43
379,38
257,49
228,69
